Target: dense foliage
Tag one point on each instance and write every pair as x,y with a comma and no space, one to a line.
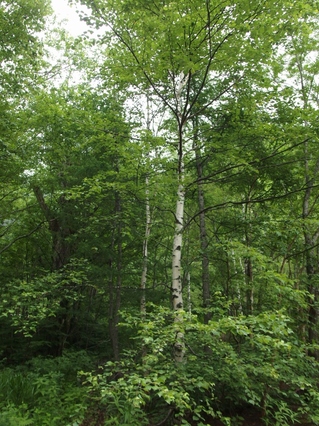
159,214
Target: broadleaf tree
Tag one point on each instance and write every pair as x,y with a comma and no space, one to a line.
179,49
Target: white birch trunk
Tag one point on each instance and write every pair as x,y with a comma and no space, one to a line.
177,248
145,248
177,294
148,222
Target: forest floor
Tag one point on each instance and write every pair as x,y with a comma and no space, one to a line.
245,418
248,417
252,419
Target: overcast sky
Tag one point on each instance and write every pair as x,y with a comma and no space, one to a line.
63,11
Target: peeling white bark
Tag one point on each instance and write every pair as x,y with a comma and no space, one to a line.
145,248
148,222
177,250
177,295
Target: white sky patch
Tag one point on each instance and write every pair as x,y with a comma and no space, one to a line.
68,14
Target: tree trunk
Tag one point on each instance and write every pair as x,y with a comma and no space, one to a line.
145,249
202,224
248,265
61,250
177,295
177,290
312,269
249,286
310,238
115,290
148,223
61,253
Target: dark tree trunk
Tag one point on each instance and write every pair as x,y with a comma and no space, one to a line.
312,287
61,253
312,267
115,282
202,226
249,286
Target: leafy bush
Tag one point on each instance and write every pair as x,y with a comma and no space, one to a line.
13,416
234,362
46,393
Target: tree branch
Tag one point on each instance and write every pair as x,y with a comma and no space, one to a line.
240,203
21,237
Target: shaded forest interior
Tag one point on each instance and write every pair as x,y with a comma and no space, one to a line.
159,215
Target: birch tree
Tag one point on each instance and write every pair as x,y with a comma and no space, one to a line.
166,47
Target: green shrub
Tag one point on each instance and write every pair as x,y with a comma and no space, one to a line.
13,416
47,392
231,363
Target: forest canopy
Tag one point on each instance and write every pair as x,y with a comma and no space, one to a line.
159,215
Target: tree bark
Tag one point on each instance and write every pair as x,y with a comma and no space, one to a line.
311,258
61,253
115,290
147,225
202,224
145,249
61,250
177,290
248,265
310,238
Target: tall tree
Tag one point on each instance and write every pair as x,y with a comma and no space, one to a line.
303,68
21,57
168,47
